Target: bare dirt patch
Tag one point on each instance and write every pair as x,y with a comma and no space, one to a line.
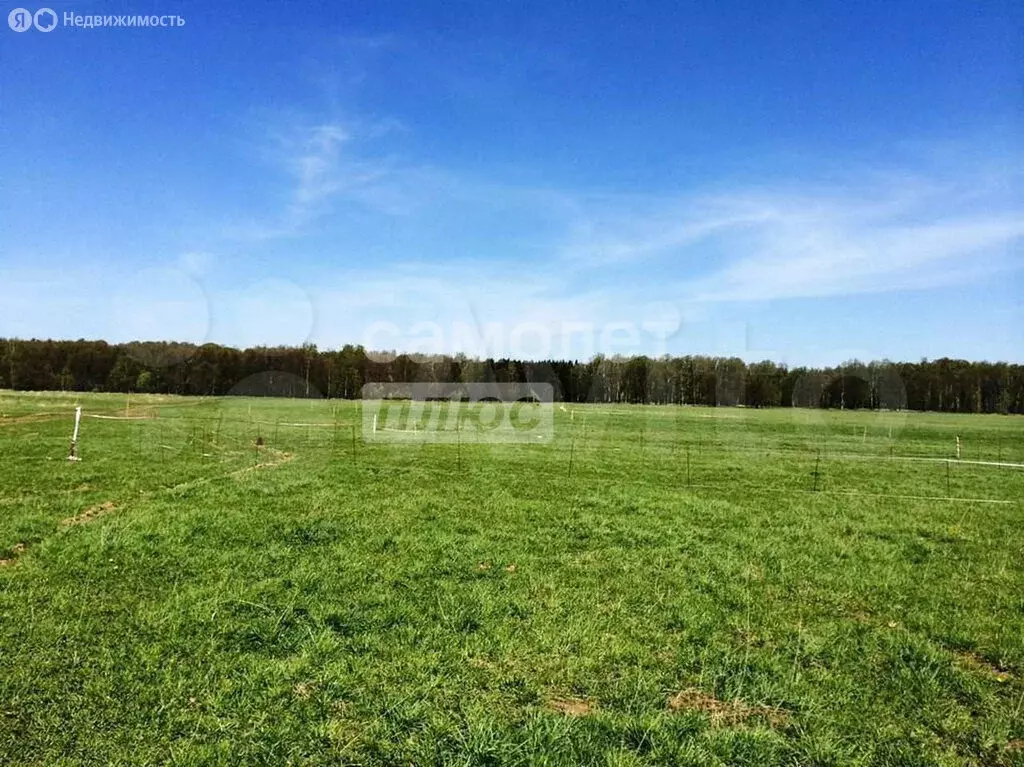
271,458
279,456
90,514
975,662
572,706
723,712
15,552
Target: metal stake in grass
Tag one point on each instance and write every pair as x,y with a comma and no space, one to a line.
572,453
688,466
353,445
817,466
458,448
948,494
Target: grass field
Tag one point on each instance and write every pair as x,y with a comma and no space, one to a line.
674,586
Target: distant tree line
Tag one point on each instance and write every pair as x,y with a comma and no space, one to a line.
176,368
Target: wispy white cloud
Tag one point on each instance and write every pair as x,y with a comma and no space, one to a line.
791,257
895,232
875,230
315,168
318,165
606,242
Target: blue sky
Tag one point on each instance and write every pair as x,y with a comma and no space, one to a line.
808,182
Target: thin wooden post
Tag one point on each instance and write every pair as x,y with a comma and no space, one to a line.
572,451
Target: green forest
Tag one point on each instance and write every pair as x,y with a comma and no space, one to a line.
944,385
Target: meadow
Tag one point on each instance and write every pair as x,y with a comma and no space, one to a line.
655,585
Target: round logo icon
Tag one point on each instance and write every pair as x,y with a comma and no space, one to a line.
20,20
45,20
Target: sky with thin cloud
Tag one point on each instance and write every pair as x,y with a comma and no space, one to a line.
806,183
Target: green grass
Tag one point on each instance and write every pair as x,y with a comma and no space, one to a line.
817,597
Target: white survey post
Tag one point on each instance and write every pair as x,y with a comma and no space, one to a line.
74,437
